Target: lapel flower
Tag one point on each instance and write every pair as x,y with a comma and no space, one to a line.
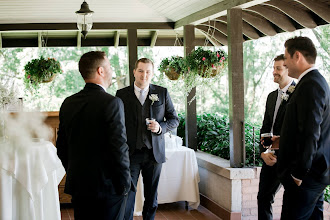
285,96
153,98
291,89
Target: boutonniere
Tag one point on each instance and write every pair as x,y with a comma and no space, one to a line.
153,98
285,96
291,89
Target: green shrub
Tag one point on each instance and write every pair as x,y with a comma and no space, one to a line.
213,137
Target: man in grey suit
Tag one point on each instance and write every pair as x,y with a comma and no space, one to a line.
145,137
92,145
304,155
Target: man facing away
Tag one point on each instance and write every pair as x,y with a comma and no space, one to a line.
145,138
304,155
275,108
92,145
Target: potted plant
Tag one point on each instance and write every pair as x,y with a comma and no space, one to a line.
41,71
173,67
206,63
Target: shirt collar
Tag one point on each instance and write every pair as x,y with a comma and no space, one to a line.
285,88
137,89
305,72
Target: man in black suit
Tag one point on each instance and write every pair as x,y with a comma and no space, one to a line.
92,145
146,138
275,108
304,155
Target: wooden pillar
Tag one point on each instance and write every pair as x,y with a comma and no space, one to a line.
0,41
39,40
191,117
132,52
78,40
236,87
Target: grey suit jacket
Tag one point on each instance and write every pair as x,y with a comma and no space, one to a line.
163,111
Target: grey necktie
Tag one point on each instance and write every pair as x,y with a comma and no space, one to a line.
141,97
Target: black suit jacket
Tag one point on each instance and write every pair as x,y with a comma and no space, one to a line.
92,145
163,111
305,135
269,114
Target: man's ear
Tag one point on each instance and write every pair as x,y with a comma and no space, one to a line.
100,71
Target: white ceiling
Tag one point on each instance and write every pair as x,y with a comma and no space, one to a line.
63,11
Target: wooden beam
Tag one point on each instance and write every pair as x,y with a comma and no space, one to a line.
220,26
248,30
318,7
277,18
191,114
39,40
132,52
261,24
116,39
216,34
211,39
214,11
300,16
78,39
236,88
154,35
73,26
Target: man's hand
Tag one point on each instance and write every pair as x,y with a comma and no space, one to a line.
154,126
269,158
276,142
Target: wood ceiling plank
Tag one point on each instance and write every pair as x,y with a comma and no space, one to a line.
220,26
248,30
273,16
211,39
299,15
214,11
216,34
259,23
319,8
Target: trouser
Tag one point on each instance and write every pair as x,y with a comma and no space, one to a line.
108,207
269,184
304,201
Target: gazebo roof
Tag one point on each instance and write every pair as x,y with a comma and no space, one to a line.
157,22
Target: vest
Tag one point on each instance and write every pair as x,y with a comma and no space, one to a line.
143,136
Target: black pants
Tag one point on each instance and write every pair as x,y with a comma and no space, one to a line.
143,160
269,184
304,201
109,207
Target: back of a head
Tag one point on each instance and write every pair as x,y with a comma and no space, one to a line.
304,45
89,62
143,60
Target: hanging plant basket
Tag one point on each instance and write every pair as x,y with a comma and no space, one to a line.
173,67
172,74
41,71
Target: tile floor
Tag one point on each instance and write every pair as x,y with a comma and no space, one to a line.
171,211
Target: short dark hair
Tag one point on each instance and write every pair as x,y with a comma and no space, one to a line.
279,57
143,60
304,45
89,62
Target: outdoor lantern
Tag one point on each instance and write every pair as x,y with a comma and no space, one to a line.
84,19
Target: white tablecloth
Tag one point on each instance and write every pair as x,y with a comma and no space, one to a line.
29,177
178,180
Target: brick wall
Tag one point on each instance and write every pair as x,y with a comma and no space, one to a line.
249,200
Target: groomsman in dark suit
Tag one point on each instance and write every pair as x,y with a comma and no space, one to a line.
146,137
304,155
275,108
92,145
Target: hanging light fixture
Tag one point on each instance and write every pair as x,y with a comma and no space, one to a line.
84,19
